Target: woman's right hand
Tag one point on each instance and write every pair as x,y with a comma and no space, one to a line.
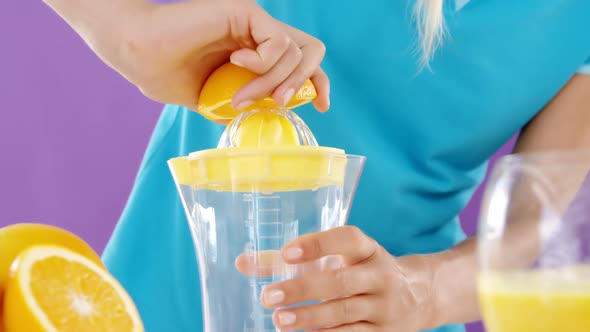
168,51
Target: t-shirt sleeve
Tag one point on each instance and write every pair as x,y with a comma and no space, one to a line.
585,69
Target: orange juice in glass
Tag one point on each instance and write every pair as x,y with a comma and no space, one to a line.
552,300
534,244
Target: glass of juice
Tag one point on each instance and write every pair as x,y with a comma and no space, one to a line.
534,244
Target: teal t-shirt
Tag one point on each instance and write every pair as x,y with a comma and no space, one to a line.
427,135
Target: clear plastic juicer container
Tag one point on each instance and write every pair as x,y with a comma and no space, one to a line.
267,183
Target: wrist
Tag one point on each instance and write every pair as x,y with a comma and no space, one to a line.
422,271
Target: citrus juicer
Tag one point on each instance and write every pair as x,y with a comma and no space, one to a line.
267,183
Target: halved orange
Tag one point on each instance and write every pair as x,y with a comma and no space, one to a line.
221,86
1,311
18,237
53,289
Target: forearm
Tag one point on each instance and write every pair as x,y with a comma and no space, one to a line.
95,20
453,283
454,272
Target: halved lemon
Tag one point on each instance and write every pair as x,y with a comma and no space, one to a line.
53,289
221,86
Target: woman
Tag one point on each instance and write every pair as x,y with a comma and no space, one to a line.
427,135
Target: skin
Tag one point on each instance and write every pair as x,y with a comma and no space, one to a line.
375,291
168,51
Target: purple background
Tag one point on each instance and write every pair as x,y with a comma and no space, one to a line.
73,132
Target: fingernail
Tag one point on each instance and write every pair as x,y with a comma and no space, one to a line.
287,96
237,63
244,104
287,318
293,253
273,296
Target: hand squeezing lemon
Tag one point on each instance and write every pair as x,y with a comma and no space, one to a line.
221,86
268,126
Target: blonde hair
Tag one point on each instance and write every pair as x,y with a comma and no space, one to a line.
429,17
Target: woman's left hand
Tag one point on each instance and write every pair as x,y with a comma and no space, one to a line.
372,291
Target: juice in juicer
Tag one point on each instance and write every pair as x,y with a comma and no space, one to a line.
267,183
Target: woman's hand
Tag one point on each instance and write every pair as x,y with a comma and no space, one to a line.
373,291
168,51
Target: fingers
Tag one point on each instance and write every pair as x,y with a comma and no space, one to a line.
357,327
266,263
263,58
319,77
344,282
270,263
240,32
312,55
264,85
284,62
347,241
322,84
327,314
